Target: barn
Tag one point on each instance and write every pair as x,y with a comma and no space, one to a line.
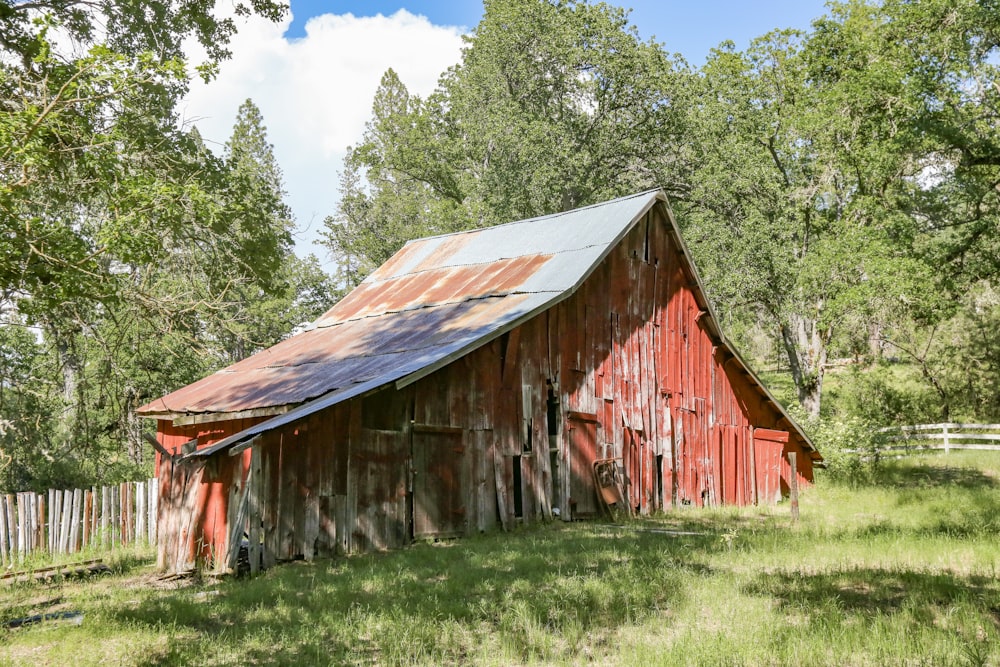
476,381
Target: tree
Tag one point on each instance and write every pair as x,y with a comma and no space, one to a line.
554,105
113,231
804,160
839,188
396,185
92,168
259,224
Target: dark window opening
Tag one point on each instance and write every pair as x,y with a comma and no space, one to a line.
385,411
553,416
552,412
504,343
527,412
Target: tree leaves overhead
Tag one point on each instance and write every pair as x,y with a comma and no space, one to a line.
824,178
94,170
553,106
124,243
817,175
260,222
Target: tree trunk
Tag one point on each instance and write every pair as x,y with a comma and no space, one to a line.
133,428
805,345
875,342
69,368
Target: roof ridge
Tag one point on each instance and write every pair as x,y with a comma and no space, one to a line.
537,217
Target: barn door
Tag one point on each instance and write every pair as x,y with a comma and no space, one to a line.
769,447
180,514
438,503
582,435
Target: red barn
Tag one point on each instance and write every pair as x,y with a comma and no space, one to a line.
472,382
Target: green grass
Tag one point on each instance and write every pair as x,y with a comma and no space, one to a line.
900,572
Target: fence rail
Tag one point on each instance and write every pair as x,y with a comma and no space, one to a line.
67,521
942,436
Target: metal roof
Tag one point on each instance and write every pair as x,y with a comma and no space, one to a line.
434,300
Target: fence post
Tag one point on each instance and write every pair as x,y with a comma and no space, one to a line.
793,486
947,441
51,531
105,512
3,532
116,515
32,499
154,490
22,526
74,526
94,510
87,526
55,521
42,536
11,527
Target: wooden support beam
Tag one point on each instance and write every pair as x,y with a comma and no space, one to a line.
435,428
793,486
236,450
211,417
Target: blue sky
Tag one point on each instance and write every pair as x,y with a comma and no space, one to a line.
313,75
690,27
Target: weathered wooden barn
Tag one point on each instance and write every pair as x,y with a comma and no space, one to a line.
469,383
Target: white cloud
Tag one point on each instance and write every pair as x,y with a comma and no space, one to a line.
315,93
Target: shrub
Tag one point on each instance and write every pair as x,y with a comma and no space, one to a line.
850,445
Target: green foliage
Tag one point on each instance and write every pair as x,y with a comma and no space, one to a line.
225,288
803,158
126,248
966,349
847,173
837,187
884,395
553,106
850,445
258,218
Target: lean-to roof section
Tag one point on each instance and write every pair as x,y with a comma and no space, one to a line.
434,300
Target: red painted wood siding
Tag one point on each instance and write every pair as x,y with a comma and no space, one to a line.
628,370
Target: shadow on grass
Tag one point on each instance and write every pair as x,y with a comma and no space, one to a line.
873,592
899,475
536,594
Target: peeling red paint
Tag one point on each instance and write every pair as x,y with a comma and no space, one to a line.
628,367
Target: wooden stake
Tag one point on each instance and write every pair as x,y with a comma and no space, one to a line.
3,533
793,484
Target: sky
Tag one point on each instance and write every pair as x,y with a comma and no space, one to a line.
314,74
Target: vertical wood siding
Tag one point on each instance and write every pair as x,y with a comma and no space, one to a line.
623,369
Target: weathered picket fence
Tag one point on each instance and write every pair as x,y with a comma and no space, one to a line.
65,522
942,436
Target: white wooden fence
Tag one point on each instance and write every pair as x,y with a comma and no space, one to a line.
65,522
942,436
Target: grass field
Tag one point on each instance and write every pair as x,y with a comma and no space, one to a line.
902,571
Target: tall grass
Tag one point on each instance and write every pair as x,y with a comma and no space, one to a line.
901,571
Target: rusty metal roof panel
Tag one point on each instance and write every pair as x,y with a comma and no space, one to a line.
432,301
331,358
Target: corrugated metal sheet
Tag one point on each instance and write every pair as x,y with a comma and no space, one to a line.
434,301
626,364
436,298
